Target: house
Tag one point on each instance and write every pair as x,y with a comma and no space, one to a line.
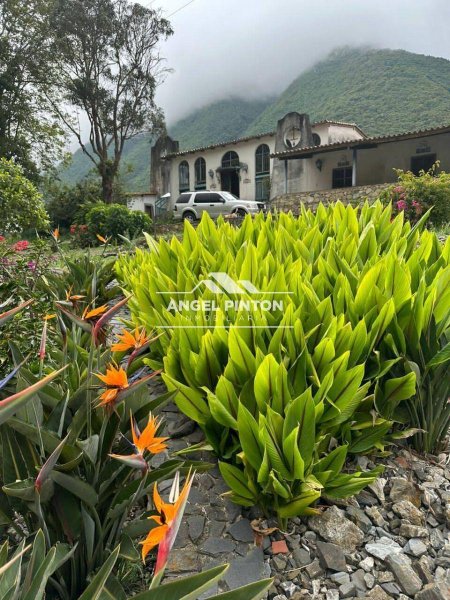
298,159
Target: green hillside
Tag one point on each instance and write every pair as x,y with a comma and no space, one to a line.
383,91
220,121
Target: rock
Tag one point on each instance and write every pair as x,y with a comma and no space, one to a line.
334,527
415,547
332,595
406,510
376,516
288,588
348,590
242,531
407,578
183,560
358,580
383,548
369,580
314,569
196,525
377,593
377,488
215,546
412,531
385,577
279,563
359,518
424,567
301,557
433,591
367,564
402,489
182,427
331,556
447,513
246,570
340,578
436,539
392,589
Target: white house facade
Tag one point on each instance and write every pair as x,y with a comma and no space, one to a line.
298,156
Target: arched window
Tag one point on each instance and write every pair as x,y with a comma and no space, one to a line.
262,160
262,172
316,139
183,174
200,174
230,159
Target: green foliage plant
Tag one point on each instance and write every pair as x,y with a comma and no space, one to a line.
414,195
21,205
114,220
362,290
60,474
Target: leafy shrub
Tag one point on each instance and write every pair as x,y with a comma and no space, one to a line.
21,205
414,195
362,291
22,265
114,220
67,205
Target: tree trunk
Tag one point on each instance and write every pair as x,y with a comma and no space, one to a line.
107,188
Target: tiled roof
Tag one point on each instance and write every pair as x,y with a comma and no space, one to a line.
368,141
253,137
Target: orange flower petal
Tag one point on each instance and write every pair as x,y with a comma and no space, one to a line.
154,537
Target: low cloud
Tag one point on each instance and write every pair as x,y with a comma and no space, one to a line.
255,48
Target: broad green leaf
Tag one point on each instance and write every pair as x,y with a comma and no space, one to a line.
94,589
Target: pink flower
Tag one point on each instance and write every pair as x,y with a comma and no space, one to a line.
398,189
417,207
2,239
32,265
22,245
73,228
401,205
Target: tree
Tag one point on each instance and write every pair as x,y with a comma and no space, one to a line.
28,132
21,205
110,69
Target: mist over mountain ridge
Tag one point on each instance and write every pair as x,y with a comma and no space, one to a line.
383,91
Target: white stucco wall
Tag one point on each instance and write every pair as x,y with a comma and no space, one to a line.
213,157
140,201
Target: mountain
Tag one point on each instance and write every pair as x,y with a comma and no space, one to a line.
217,122
382,91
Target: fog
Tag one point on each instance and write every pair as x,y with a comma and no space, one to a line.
255,48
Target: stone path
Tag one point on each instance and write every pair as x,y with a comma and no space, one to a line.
391,541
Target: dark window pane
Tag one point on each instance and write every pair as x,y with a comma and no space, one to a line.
316,139
215,198
183,175
342,177
262,159
422,163
230,159
200,173
183,199
202,198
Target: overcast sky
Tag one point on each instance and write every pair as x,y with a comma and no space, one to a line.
253,48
